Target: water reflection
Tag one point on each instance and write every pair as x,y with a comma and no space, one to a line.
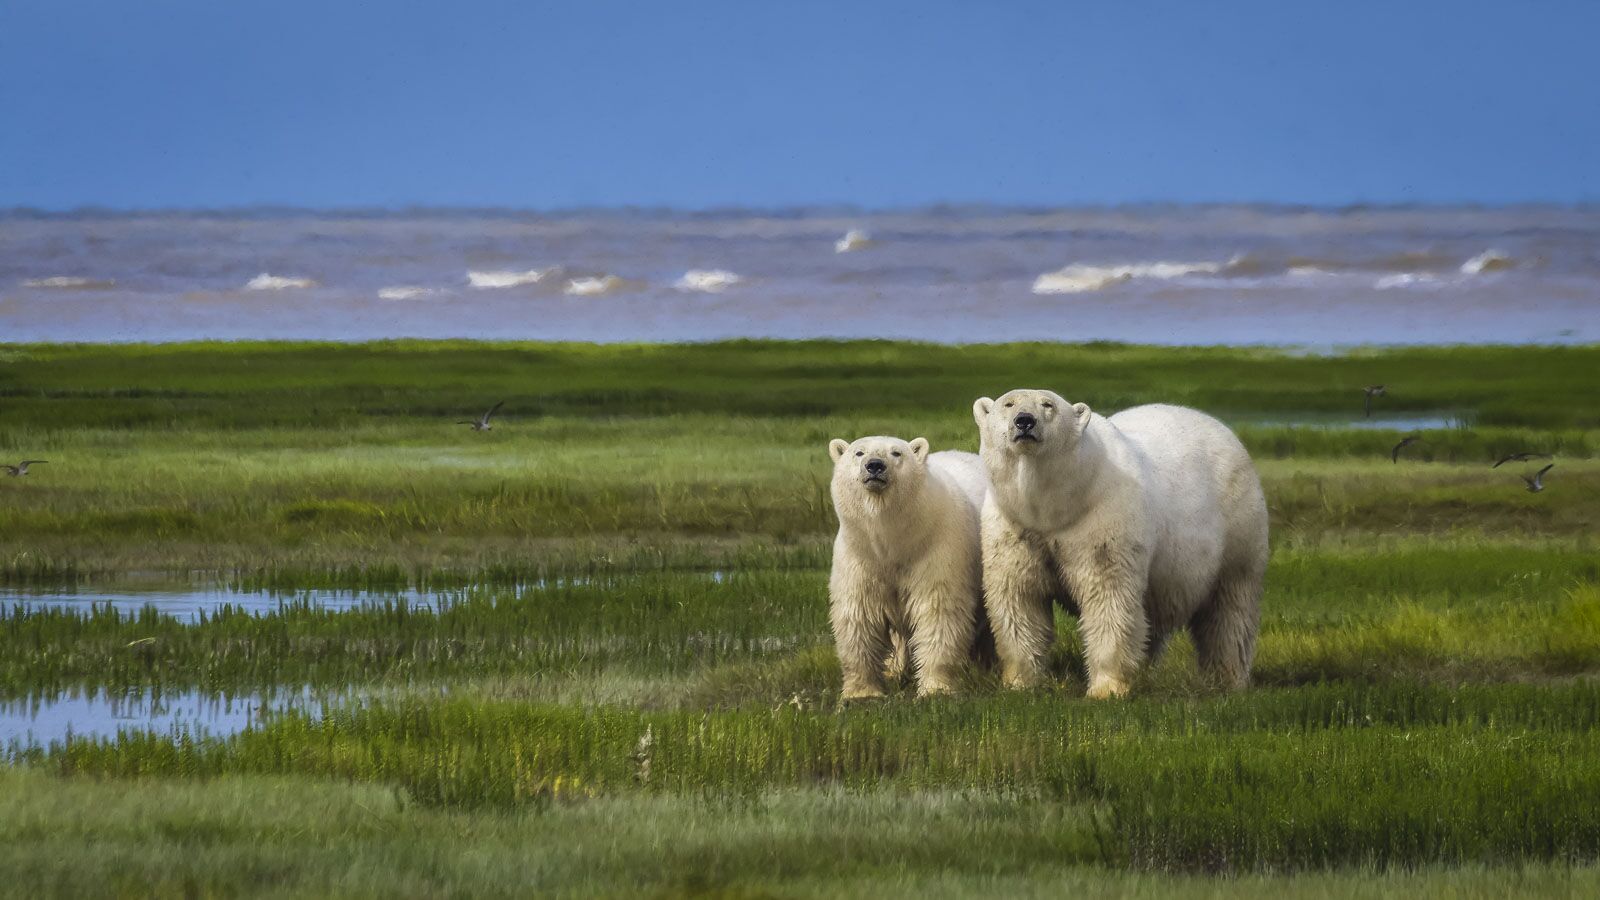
103,714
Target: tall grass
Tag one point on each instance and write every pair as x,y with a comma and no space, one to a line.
1394,775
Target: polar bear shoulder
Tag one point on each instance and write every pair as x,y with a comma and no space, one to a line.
964,472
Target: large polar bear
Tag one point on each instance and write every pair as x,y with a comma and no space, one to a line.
906,586
1143,522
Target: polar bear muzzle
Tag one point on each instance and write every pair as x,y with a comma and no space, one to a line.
1023,428
877,477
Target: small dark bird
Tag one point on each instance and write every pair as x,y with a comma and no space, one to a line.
21,468
1394,455
1536,483
482,422
1519,457
1371,390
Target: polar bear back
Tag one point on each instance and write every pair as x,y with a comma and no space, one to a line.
1187,450
963,471
1195,469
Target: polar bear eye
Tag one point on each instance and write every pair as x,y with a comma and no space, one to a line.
859,453
1009,405
894,453
1049,405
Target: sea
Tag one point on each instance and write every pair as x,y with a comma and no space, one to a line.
1316,279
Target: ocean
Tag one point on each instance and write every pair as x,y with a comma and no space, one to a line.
1310,278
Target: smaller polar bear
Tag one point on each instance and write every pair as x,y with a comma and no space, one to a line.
906,589
1141,523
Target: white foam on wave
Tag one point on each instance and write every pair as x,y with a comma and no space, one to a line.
707,281
266,282
68,282
404,292
1488,261
507,279
853,240
1307,271
593,287
1078,278
1407,279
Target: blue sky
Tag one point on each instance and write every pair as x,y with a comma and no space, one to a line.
184,103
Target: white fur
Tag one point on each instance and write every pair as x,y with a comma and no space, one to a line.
1147,521
906,586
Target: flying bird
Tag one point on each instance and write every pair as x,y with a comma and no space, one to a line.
21,468
1536,482
1371,390
482,422
1519,457
1394,455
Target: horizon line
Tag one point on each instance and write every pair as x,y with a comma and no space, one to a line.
29,211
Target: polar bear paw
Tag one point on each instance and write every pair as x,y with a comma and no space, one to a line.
857,695
1022,678
1103,688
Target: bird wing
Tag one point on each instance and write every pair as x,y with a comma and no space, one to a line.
1544,470
493,409
34,462
1366,404
12,470
1394,455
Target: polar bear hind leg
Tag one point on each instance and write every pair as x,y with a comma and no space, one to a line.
898,666
1224,630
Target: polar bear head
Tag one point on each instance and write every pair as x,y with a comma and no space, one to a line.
1026,422
877,470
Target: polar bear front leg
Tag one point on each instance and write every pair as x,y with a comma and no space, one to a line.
1017,584
1108,582
858,608
943,612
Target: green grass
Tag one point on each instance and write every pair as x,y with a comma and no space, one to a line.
294,836
228,457
628,686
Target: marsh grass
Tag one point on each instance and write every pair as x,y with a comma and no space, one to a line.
626,683
1424,608
1391,775
294,837
227,457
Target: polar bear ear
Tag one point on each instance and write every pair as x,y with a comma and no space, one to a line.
919,448
980,409
836,448
1083,413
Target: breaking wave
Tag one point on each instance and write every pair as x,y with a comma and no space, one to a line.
1078,278
1406,279
266,282
593,287
69,282
404,292
1488,261
853,240
707,281
506,279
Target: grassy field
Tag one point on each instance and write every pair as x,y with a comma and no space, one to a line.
627,687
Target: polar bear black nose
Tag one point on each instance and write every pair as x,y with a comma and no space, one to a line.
1024,422
876,467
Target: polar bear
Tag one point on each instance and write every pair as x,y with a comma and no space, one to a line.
1140,523
906,585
